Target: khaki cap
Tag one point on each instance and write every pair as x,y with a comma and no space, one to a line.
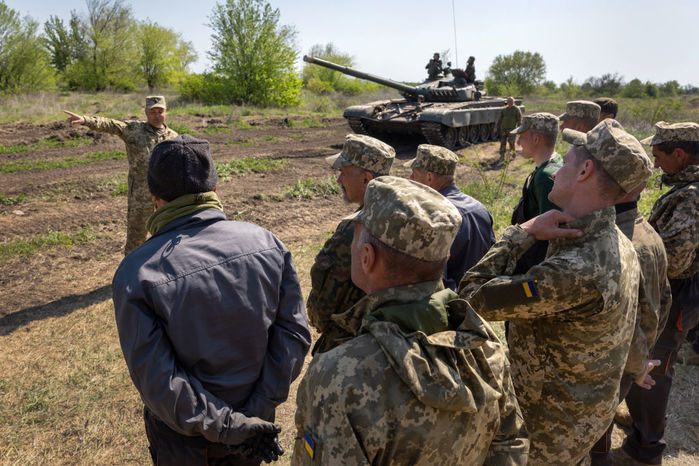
673,132
409,217
155,101
581,109
364,152
621,155
543,122
435,159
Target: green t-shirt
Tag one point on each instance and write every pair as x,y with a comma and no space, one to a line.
538,186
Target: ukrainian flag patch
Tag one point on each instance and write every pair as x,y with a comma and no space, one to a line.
530,289
308,443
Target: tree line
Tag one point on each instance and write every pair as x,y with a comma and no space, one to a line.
253,59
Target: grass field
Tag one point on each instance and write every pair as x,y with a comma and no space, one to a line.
65,393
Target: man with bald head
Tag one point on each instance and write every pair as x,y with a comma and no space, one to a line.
510,117
573,315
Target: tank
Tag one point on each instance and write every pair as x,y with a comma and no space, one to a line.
447,111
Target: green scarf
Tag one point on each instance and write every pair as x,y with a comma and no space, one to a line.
181,206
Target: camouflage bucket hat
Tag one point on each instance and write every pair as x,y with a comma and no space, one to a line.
543,121
621,155
436,159
364,152
155,101
581,109
409,217
673,132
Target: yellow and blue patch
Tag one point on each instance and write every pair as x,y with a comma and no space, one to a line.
308,443
530,289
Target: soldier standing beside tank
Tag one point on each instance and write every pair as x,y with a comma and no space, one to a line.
140,138
674,217
362,159
470,70
509,119
434,67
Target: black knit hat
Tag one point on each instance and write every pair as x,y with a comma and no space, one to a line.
180,166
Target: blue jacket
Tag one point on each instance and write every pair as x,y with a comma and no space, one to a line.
211,321
474,238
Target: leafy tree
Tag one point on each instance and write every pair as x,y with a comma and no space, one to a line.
65,45
110,55
634,89
608,84
163,55
570,89
24,63
323,80
670,88
651,89
253,54
520,72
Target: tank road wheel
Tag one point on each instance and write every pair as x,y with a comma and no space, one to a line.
484,132
440,135
473,134
358,126
463,136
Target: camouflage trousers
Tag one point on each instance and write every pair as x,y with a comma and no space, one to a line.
139,208
507,138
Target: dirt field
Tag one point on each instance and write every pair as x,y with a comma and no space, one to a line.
56,301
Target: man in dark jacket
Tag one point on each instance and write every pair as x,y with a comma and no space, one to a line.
435,166
210,319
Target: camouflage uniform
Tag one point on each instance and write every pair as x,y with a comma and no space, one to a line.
572,316
674,217
433,67
509,119
426,381
140,138
470,72
654,303
332,290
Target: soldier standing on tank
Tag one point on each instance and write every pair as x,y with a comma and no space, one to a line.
362,159
434,67
510,118
470,70
426,381
573,315
674,217
140,138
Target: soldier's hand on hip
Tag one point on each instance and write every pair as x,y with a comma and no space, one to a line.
74,119
547,226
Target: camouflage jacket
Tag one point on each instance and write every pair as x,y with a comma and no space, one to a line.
571,322
426,382
332,290
509,119
674,217
140,138
654,294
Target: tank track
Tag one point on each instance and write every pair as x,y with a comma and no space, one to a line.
438,135
358,126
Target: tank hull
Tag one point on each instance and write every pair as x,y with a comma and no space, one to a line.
449,124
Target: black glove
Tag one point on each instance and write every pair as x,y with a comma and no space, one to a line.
241,428
264,446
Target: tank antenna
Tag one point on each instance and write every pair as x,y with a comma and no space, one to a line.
456,49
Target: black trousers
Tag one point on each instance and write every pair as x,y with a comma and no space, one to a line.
168,447
648,407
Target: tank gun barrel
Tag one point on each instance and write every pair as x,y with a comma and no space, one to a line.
358,74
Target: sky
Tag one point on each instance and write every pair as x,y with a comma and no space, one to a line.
649,40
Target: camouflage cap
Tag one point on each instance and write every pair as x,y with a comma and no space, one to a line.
436,159
621,155
543,121
581,109
673,132
155,101
364,152
410,217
